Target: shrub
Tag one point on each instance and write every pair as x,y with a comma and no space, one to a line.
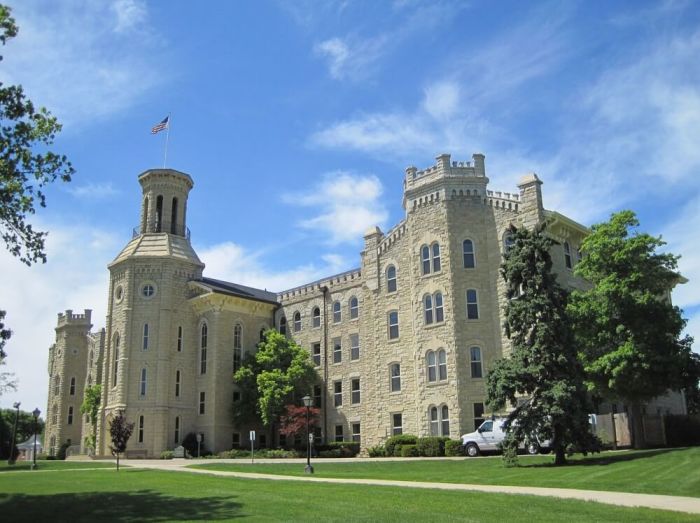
453,448
234,453
431,446
376,452
346,449
408,451
62,451
509,447
166,454
190,444
400,439
682,431
333,453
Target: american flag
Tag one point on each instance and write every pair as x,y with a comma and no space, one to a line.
161,126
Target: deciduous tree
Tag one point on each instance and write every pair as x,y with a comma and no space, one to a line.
293,421
120,431
91,407
628,330
541,377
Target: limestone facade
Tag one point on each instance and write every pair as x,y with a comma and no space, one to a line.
401,344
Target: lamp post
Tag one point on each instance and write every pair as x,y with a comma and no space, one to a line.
11,459
308,401
199,444
36,413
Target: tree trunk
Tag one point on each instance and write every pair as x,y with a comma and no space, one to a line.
635,414
559,456
117,461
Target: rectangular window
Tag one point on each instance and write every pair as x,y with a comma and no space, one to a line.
145,337
141,423
142,388
338,393
472,305
202,401
336,312
355,391
317,354
236,396
393,325
176,439
436,257
356,432
72,387
478,415
179,339
338,433
70,415
317,396
396,424
395,377
442,365
203,360
354,346
236,440
475,355
237,356
177,383
337,351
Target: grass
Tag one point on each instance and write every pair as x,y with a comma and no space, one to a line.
135,495
54,465
667,471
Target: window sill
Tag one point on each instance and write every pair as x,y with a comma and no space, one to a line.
434,324
434,273
436,383
394,340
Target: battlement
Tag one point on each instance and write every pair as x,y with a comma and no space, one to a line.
70,319
392,236
445,168
317,286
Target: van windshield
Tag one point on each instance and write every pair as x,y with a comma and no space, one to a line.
486,426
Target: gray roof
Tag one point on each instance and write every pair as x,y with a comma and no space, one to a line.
236,289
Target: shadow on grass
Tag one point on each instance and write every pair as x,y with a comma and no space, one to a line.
605,460
137,506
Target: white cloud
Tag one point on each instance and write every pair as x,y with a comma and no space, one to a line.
351,58
681,235
75,277
441,99
94,190
347,205
83,61
232,262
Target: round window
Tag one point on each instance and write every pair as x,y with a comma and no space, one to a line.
148,290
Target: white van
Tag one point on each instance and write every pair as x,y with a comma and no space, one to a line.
488,437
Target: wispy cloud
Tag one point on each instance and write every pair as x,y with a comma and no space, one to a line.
84,61
94,190
344,205
351,58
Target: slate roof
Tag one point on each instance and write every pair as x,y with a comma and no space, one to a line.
236,289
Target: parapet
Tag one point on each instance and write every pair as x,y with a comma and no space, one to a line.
444,167
69,319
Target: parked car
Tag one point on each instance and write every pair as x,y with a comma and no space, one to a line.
490,435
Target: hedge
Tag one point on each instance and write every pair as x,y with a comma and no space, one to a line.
431,446
407,451
453,448
400,439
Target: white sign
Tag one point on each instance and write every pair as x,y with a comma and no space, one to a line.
252,435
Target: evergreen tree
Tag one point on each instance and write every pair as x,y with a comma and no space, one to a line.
541,377
628,330
271,378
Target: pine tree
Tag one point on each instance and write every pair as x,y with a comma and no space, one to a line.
541,377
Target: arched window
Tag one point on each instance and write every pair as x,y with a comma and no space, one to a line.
395,377
71,390
475,362
237,347
567,255
391,279
354,308
472,305
428,309
393,325
434,422
70,415
432,366
437,301
144,346
436,257
142,388
283,326
316,317
425,259
297,321
468,253
54,414
508,242
204,332
176,439
336,312
262,334
115,363
141,425
445,420
144,221
442,365
159,213
56,384
439,419
173,218
177,383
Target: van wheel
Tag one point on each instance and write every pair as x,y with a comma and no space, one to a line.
533,448
472,450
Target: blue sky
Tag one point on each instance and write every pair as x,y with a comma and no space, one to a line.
296,121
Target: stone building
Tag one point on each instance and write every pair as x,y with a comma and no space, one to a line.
401,344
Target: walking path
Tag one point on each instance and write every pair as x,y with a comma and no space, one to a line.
625,499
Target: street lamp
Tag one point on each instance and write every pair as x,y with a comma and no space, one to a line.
199,444
11,460
308,401
36,413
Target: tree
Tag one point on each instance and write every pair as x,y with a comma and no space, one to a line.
293,421
119,431
628,331
91,407
26,166
25,429
542,371
271,378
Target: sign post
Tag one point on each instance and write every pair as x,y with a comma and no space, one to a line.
252,446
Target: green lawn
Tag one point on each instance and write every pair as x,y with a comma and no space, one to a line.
135,495
666,471
54,465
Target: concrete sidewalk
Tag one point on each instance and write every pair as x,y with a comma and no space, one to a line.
624,499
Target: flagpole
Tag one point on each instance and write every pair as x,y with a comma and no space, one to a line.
167,139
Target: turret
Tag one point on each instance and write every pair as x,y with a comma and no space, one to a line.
164,203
